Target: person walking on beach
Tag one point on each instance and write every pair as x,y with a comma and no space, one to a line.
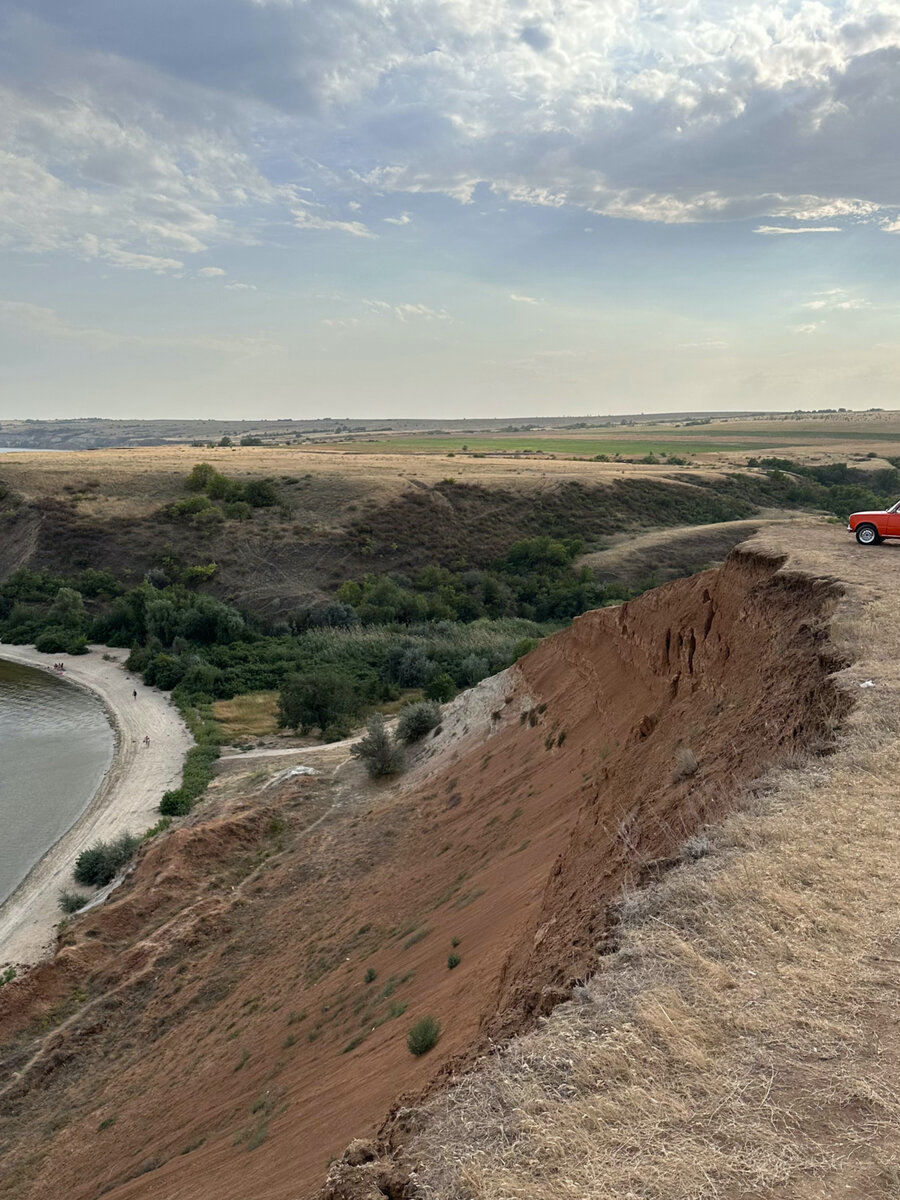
147,740
134,693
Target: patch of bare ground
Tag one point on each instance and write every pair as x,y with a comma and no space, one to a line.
743,1040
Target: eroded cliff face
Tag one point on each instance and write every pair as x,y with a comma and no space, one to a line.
238,1011
670,705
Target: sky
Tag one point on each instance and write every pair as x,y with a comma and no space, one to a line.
447,208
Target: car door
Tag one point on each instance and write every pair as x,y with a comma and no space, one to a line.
892,522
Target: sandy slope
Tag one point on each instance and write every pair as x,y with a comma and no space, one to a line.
126,801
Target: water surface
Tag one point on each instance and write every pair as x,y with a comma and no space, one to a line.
55,747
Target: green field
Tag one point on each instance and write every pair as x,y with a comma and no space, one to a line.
578,447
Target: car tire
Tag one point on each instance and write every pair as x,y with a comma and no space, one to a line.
867,535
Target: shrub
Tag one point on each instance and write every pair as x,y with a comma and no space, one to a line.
686,764
423,1036
54,640
416,720
261,493
238,510
198,763
98,865
322,698
200,477
378,751
70,902
453,960
441,688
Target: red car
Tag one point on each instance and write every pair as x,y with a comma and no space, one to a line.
873,527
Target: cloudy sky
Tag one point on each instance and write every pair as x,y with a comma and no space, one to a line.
255,208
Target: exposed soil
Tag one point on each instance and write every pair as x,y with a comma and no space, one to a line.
211,1031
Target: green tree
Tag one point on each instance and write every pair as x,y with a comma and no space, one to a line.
378,750
200,477
68,609
441,688
319,698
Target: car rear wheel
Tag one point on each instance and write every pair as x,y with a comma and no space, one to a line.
867,535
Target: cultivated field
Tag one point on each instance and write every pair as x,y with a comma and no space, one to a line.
712,441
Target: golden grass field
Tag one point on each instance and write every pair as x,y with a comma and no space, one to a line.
130,482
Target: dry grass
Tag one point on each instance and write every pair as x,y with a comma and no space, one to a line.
745,1040
255,714
665,554
131,481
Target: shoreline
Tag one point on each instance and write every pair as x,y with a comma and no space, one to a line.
125,802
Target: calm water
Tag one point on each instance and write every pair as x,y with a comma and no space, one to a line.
55,746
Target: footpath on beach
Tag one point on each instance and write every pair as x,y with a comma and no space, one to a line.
126,801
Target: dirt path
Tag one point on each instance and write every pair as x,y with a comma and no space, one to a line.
126,801
681,550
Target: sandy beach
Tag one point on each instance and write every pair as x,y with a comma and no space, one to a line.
126,801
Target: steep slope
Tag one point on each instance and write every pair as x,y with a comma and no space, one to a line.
743,1041
238,1011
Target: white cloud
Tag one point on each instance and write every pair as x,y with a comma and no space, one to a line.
237,286
804,328
142,262
835,299
120,145
407,311
778,230
305,220
523,299
211,272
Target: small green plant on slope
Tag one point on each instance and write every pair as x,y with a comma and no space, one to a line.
416,720
378,751
423,1036
71,902
98,864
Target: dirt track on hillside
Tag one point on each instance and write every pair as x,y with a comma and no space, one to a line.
126,802
229,1028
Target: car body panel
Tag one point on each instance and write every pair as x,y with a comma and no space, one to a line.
886,521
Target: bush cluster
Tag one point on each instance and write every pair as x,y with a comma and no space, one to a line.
98,864
198,763
416,720
379,752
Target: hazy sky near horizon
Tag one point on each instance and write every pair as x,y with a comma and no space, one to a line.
297,208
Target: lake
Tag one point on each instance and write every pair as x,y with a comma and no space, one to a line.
55,747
